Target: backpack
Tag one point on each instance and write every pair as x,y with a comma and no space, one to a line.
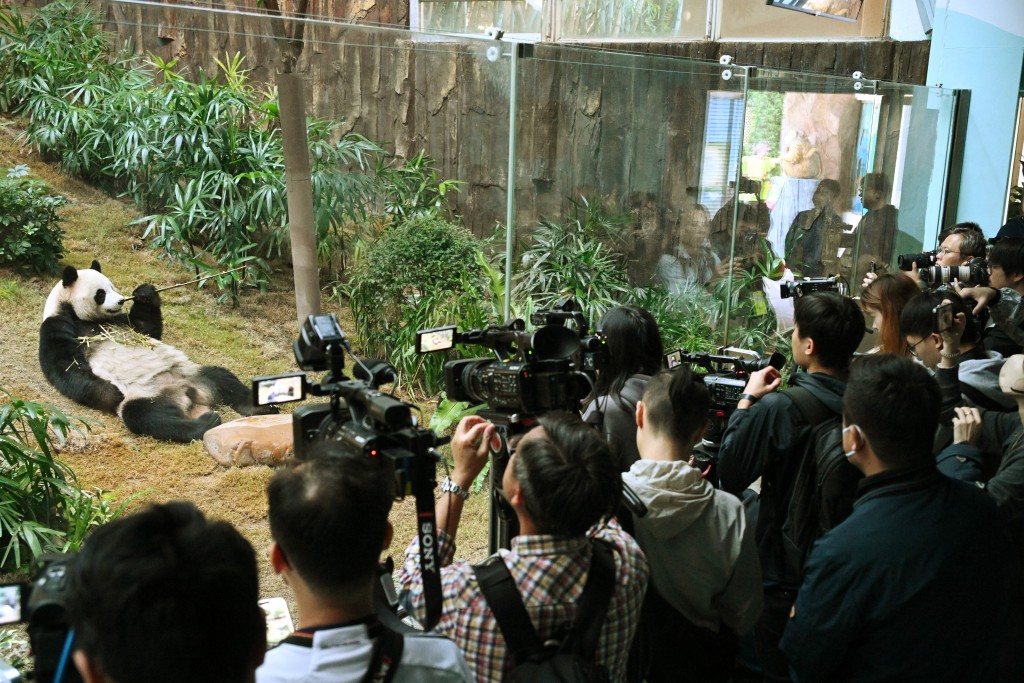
571,659
825,486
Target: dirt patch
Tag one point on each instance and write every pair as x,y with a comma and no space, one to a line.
253,339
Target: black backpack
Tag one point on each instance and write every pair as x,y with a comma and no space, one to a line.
825,486
573,658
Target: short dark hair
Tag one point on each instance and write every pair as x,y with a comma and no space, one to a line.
1008,254
676,403
878,182
831,186
165,595
570,479
834,322
917,319
895,402
972,239
329,516
633,344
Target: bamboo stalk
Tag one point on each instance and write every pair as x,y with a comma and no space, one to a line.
191,282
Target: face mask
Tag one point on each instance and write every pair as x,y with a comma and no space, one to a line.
849,454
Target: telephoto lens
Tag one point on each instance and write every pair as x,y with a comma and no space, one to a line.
923,260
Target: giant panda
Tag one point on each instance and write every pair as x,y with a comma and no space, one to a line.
88,351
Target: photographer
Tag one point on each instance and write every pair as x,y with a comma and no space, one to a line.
329,521
768,435
978,368
913,585
1002,296
705,574
165,596
634,352
560,482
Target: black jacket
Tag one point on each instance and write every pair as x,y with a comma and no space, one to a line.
910,587
772,428
616,416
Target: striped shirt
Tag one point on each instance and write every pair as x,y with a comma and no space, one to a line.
550,572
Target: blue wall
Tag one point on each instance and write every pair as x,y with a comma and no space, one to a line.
979,45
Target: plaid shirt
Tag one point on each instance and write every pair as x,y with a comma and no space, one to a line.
550,572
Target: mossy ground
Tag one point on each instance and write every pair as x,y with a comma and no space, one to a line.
252,339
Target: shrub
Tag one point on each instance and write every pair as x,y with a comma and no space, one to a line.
580,257
421,273
30,233
42,509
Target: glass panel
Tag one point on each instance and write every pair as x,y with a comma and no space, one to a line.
626,169
476,16
756,20
636,19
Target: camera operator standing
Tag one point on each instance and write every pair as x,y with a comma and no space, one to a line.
1003,294
769,434
635,351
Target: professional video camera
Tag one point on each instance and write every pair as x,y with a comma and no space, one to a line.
974,273
725,374
533,372
549,368
797,288
41,604
365,421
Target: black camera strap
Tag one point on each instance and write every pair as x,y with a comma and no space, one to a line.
426,529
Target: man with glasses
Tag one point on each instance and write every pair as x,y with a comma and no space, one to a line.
1003,295
960,344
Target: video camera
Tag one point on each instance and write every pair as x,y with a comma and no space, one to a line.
794,289
365,422
725,374
549,368
532,372
41,604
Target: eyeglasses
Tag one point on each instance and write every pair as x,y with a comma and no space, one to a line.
912,348
944,251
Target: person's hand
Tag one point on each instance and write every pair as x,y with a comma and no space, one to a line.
913,273
727,268
763,382
967,425
869,277
951,335
471,445
982,295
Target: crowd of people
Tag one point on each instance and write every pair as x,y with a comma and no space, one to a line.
908,567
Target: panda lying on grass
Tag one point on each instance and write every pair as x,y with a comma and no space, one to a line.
103,358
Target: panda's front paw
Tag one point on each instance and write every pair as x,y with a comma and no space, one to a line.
146,294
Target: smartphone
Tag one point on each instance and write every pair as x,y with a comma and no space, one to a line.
279,389
11,595
943,317
279,619
437,339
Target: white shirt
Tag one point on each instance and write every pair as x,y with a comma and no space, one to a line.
342,655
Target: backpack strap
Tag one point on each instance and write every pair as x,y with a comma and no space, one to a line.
809,405
502,594
503,597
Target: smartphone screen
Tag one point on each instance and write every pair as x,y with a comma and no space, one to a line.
279,619
943,317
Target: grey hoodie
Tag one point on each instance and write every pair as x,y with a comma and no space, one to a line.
701,551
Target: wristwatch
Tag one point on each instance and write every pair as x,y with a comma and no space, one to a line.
449,486
749,397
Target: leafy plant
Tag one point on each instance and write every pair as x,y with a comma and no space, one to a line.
41,505
414,190
580,257
85,510
30,232
421,273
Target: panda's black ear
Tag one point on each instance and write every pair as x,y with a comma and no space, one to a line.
70,275
96,266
